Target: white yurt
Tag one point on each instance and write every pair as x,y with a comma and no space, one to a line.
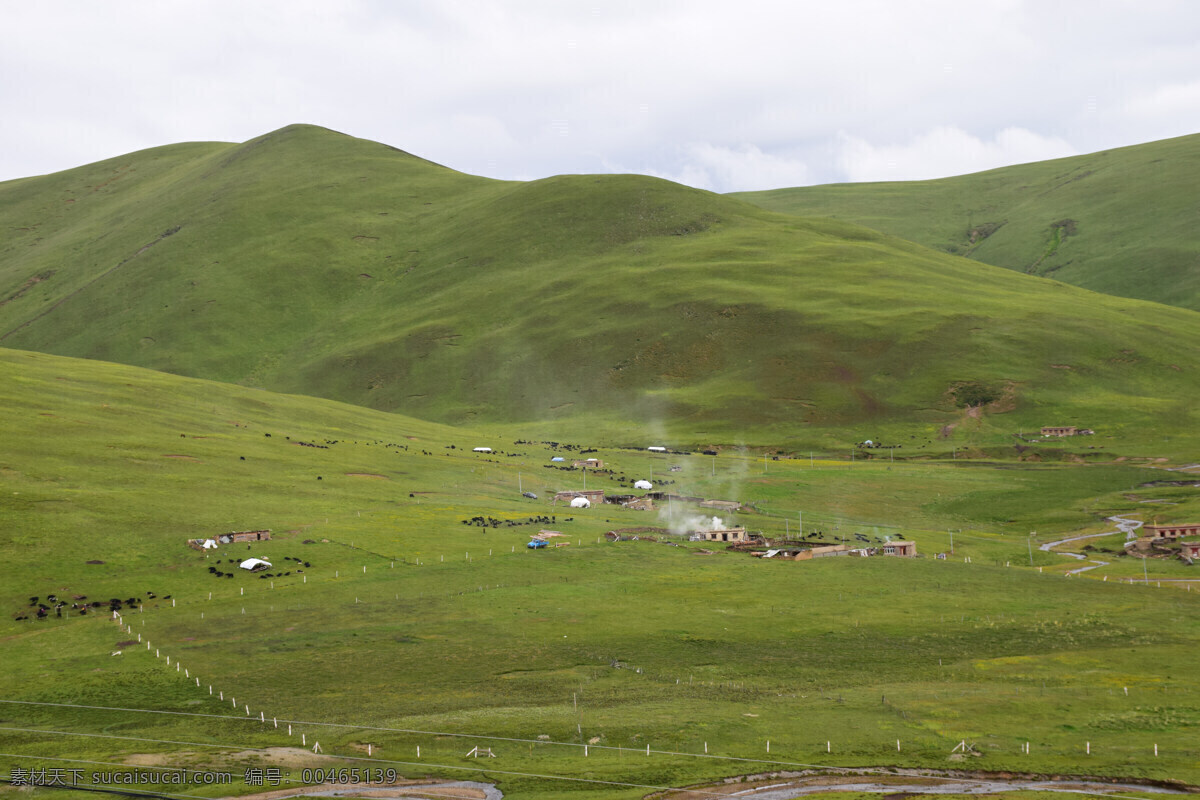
483,449
643,485
580,502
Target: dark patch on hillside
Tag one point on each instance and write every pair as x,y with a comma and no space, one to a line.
29,284
971,394
168,232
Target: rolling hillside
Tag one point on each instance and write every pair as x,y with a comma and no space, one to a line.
1122,221
310,262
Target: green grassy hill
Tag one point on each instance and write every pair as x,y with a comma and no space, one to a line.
1122,221
386,620
311,262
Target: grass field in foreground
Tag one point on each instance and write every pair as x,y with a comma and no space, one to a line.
453,629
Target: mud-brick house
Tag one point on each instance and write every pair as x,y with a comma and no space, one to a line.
593,496
233,537
731,535
1059,430
1171,531
588,463
722,505
639,504
903,549
825,551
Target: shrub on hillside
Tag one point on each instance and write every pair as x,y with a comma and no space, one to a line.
974,393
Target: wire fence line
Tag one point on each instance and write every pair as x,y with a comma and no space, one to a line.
772,763
577,779
124,789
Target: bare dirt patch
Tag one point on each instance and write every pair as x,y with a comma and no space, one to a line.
398,789
156,759
29,284
283,757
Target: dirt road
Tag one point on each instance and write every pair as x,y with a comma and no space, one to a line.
1124,525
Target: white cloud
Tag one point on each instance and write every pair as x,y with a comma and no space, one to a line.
533,87
945,151
727,169
1175,98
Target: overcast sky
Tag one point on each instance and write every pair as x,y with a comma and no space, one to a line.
726,95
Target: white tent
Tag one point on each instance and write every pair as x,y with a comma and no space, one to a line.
483,449
643,485
254,563
558,458
209,544
655,449
580,502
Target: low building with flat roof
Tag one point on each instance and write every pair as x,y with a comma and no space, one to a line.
824,551
1171,531
733,535
1059,430
244,536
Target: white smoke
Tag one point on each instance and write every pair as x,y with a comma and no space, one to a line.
680,522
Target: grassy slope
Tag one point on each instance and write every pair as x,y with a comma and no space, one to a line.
310,262
118,464
1122,221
